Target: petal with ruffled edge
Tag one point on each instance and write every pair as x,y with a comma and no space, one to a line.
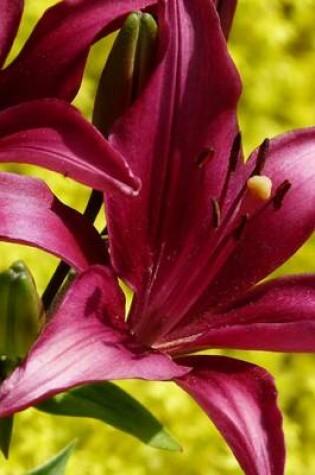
30,214
52,61
11,12
241,400
54,135
173,209
86,341
278,315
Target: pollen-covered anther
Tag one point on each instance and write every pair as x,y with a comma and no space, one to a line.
260,186
216,214
280,194
261,157
235,152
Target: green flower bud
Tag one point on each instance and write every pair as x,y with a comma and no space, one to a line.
128,67
21,311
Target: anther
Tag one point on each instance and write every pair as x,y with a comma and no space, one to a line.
240,228
261,157
259,186
281,191
216,214
205,155
235,152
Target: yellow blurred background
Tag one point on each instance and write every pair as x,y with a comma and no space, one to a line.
273,44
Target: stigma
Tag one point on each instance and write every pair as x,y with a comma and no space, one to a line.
259,186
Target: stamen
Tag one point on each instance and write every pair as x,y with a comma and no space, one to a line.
261,157
233,162
240,228
216,214
281,191
235,152
260,186
205,155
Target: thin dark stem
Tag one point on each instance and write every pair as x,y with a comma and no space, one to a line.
93,206
91,211
55,283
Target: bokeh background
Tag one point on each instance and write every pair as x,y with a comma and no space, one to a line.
273,45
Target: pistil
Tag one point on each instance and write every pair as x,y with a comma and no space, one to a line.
259,186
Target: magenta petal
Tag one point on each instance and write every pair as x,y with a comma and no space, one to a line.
241,400
273,233
52,61
164,148
276,316
86,341
30,214
52,134
11,12
226,10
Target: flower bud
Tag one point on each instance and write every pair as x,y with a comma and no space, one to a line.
21,312
128,67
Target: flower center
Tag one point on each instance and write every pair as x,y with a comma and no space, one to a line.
245,192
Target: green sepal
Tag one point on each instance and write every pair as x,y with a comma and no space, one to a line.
108,403
57,464
6,427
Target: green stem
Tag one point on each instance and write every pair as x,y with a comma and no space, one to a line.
91,211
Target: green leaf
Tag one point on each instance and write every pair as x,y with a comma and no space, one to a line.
57,464
110,404
6,425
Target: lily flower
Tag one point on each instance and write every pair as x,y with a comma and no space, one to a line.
194,245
